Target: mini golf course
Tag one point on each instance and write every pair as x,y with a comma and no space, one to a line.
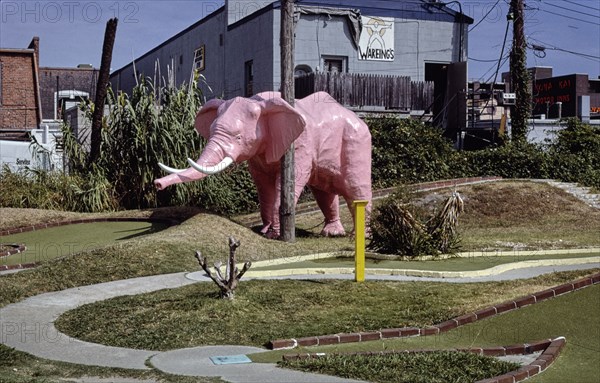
46,244
569,311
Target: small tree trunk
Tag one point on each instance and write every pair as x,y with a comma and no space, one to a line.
228,284
103,78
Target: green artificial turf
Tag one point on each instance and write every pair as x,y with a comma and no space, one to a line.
44,245
574,316
449,264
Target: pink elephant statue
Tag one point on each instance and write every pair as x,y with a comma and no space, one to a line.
332,151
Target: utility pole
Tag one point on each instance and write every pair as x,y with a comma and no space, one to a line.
519,75
287,213
103,78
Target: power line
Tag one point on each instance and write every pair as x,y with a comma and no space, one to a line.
503,60
584,55
569,17
483,61
584,6
571,10
484,16
501,52
555,48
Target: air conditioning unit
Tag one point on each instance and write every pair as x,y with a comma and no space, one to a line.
507,98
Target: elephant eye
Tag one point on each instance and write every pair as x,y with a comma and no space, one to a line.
238,137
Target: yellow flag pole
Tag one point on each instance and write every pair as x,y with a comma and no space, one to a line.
359,241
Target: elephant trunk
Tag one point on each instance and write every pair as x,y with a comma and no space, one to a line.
211,156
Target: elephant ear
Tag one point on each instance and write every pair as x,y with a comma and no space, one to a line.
285,125
206,116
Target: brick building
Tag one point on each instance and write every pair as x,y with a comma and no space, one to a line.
21,114
63,88
572,95
20,105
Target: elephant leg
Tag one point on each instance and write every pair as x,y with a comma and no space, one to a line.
267,196
330,206
300,182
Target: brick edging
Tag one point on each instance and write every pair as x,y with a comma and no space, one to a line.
16,248
20,266
550,348
41,226
542,362
403,332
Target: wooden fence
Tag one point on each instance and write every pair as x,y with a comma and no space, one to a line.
360,90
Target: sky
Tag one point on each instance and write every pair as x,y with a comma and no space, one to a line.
566,32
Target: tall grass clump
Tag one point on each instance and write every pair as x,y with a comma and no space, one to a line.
400,227
152,125
32,189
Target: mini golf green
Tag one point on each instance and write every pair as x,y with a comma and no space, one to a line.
450,264
46,244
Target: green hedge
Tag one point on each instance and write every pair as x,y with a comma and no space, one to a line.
575,154
408,151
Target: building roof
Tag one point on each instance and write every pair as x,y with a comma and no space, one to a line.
17,50
407,9
166,42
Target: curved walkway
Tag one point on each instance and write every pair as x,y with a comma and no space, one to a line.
29,326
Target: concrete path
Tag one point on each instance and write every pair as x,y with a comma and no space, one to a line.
581,192
29,326
196,362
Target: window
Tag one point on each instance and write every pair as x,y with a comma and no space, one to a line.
199,58
302,70
249,78
334,64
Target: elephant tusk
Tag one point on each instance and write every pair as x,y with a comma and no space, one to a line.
169,169
211,169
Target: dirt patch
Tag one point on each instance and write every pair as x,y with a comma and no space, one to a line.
521,203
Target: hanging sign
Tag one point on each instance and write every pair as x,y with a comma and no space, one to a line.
376,39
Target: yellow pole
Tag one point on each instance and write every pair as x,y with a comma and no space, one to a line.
359,243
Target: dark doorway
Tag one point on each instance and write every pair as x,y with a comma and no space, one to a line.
249,78
438,73
450,105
